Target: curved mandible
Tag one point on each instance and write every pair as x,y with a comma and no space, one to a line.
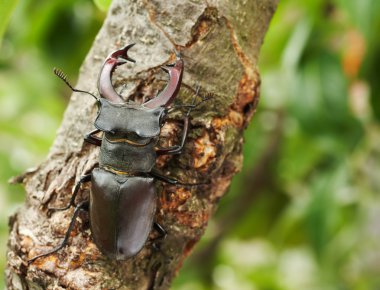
105,87
169,93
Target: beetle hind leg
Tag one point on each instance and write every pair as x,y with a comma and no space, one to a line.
157,275
83,179
156,242
161,234
78,209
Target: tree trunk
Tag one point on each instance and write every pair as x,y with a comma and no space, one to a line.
219,41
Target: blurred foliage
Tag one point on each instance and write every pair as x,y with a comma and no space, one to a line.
6,9
303,212
40,35
102,4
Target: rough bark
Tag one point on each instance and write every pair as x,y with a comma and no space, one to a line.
219,41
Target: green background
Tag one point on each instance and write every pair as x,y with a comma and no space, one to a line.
305,211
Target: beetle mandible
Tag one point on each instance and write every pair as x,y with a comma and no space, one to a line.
122,201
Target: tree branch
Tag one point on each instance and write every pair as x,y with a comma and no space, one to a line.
219,41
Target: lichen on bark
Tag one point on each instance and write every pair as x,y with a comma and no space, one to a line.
219,41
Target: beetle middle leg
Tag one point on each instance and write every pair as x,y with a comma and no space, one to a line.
78,209
84,179
172,180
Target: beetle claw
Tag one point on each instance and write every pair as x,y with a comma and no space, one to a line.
118,57
167,68
121,55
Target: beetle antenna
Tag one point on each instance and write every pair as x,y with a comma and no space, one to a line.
63,77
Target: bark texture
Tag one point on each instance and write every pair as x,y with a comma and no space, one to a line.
219,41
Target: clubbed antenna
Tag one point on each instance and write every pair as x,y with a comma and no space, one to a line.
63,77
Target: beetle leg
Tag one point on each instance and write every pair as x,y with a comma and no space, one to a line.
156,277
83,179
173,181
161,231
155,267
193,105
186,123
178,148
161,236
90,138
78,208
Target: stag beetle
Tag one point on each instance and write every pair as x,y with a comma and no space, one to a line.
122,202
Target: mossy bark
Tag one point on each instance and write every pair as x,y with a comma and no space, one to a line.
219,41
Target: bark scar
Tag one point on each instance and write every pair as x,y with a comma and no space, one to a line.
244,60
152,18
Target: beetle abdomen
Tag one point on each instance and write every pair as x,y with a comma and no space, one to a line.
121,212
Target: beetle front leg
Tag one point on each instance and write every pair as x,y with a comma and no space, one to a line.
178,148
78,208
92,139
193,104
83,179
186,123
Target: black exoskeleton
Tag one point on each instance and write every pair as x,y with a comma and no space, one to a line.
122,202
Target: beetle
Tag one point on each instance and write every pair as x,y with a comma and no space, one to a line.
122,201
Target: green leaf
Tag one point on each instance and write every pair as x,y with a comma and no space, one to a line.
103,5
6,9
